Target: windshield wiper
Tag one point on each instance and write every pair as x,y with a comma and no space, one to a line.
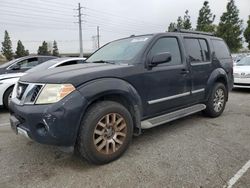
103,61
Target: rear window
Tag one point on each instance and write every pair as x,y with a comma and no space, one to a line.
221,49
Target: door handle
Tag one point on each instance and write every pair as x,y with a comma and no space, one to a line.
184,71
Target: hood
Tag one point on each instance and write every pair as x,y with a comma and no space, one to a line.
11,75
242,69
76,74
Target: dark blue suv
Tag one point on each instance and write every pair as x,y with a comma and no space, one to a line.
128,85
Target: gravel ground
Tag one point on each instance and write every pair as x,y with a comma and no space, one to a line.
191,152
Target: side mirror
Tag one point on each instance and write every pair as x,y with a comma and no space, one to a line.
16,67
161,58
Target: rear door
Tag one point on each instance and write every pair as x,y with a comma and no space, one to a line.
198,56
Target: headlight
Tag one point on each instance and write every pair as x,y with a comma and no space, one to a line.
52,93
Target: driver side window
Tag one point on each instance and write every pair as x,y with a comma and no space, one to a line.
168,44
28,63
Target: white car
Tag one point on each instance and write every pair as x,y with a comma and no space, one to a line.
242,73
7,81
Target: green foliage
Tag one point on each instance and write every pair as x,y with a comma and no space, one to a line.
55,51
7,46
186,21
171,27
205,19
247,33
43,50
20,50
181,23
230,27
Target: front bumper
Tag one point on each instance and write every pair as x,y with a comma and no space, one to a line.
53,124
241,82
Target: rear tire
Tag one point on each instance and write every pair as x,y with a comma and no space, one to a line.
217,101
105,133
7,96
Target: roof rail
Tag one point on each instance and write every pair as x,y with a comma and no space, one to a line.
193,32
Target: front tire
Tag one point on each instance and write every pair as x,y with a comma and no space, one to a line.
6,97
105,133
217,101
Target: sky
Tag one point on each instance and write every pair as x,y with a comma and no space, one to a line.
33,21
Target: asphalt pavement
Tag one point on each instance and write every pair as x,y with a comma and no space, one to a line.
192,152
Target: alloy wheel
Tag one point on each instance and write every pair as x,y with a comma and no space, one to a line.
219,100
110,133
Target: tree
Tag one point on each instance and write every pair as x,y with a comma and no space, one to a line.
55,51
7,46
43,50
171,27
230,27
205,19
247,33
179,23
182,23
186,21
20,50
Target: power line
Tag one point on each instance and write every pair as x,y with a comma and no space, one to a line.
33,8
37,14
36,26
117,15
36,17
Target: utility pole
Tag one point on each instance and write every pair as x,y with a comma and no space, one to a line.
80,28
98,37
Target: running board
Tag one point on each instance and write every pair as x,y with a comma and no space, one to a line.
153,122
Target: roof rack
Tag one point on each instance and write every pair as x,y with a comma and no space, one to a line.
193,32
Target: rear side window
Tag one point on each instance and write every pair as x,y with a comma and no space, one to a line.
221,49
205,51
197,50
168,44
193,49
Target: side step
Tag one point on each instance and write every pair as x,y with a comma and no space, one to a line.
153,122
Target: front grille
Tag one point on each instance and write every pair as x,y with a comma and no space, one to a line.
36,90
20,90
237,75
27,93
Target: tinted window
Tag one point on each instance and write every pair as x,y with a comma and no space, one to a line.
28,63
221,50
193,49
168,45
205,51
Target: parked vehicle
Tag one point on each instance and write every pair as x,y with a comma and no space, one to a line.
23,64
242,73
128,85
7,81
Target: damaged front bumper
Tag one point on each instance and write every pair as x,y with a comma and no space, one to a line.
53,124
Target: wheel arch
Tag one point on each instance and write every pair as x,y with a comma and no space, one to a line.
117,90
218,75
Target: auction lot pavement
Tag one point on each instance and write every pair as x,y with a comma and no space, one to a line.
191,152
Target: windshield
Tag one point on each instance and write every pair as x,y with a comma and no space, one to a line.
9,63
244,62
120,50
